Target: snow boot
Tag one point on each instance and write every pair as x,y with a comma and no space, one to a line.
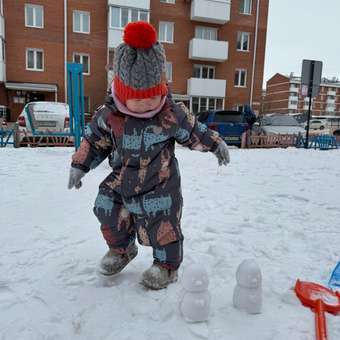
113,263
157,277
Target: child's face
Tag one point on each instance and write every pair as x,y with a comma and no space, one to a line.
143,105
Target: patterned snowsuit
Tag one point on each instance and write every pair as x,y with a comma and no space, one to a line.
143,193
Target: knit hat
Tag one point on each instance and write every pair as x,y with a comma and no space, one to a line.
139,64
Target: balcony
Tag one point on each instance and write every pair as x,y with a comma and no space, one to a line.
212,11
199,87
141,4
306,100
292,105
330,108
294,89
115,37
330,101
208,50
331,92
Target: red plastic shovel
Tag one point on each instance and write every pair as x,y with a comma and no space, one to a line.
321,300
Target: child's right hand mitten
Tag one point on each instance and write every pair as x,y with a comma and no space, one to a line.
75,178
222,154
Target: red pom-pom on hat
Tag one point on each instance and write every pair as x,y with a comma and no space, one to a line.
140,34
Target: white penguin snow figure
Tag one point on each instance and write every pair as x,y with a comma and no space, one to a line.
195,305
248,290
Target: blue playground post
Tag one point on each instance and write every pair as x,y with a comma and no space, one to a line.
75,95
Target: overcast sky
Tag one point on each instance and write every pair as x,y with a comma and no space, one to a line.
302,29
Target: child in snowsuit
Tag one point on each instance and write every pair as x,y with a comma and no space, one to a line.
137,127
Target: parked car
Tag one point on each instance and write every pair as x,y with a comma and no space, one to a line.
45,116
229,124
316,124
278,124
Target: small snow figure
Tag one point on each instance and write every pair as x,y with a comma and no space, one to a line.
248,291
195,306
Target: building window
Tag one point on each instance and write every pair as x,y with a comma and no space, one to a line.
203,104
3,111
239,107
245,6
168,71
121,16
81,22
168,1
34,59
243,41
240,78
208,33
219,103
199,104
194,104
84,59
166,32
34,16
204,71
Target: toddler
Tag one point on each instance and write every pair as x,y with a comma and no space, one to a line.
137,128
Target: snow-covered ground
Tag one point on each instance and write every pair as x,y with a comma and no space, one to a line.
281,207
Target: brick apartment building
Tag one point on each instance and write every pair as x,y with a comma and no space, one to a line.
284,95
215,49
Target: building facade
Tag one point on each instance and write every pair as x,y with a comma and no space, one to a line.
284,94
215,48
41,39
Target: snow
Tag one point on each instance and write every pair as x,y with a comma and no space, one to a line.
280,207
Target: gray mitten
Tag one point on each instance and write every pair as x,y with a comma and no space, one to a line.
75,178
222,154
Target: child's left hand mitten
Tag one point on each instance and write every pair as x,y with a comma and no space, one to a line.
222,154
75,178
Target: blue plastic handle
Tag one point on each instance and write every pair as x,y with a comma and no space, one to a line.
334,281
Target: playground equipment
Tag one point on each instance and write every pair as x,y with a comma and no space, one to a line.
75,95
76,101
6,135
320,299
322,142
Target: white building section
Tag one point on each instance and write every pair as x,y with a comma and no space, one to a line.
208,50
122,12
142,4
115,37
206,87
212,11
331,92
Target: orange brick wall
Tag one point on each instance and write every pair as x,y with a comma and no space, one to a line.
51,40
178,52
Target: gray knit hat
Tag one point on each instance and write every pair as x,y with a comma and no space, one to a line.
139,64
